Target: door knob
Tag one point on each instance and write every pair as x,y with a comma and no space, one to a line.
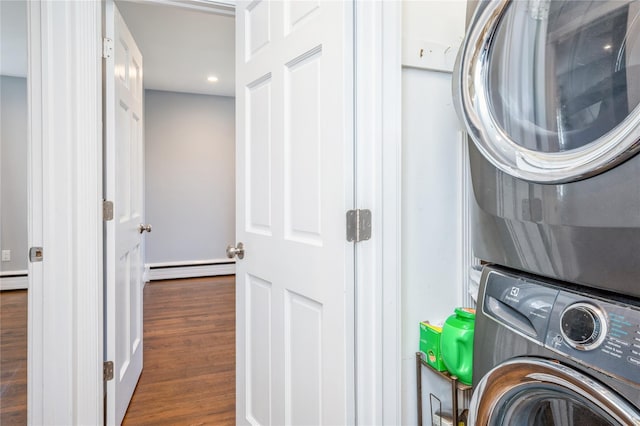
142,227
237,251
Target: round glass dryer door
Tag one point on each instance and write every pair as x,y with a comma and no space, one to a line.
549,90
538,392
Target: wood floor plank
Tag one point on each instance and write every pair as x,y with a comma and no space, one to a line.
13,357
189,354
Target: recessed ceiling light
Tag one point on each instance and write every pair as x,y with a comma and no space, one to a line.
212,79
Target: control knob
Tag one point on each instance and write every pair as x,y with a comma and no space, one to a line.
583,326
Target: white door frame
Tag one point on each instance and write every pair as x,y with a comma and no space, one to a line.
65,213
378,187
65,216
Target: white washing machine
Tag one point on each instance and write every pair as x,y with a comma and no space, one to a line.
549,92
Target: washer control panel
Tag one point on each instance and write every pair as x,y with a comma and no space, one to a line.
602,334
595,331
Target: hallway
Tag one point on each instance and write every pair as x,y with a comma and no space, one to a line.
189,354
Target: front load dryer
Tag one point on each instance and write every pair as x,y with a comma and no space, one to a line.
549,93
548,354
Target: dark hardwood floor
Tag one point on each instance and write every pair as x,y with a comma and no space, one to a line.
189,354
13,357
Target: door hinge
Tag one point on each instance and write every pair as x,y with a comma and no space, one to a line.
358,225
107,47
107,371
107,210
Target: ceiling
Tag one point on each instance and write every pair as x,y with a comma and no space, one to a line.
13,38
182,43
182,46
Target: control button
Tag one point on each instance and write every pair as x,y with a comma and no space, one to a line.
613,343
619,341
619,332
583,326
634,361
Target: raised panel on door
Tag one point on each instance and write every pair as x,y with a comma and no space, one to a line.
123,190
303,360
297,12
302,147
258,157
258,27
136,155
258,344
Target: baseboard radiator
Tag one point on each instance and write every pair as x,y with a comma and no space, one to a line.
189,269
14,280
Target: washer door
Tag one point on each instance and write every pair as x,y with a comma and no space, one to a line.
549,90
531,391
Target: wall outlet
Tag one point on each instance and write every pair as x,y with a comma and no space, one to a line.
6,255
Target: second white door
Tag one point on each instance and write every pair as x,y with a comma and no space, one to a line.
124,183
294,102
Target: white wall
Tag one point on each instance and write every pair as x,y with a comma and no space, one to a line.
431,193
190,176
437,21
13,171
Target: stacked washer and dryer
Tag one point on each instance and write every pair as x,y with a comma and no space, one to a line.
549,93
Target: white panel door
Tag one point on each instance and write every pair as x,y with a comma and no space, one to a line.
124,171
294,100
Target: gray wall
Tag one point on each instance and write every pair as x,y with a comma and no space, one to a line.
190,176
13,171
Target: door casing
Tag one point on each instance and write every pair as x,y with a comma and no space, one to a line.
64,371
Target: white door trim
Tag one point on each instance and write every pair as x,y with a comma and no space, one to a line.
219,7
65,213
391,177
35,310
378,187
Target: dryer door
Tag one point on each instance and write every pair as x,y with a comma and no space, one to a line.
531,391
549,90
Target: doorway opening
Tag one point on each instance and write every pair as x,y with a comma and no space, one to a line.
14,133
188,55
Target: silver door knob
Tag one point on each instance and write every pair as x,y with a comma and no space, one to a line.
142,227
237,251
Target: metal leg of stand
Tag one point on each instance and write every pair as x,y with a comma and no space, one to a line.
419,384
454,400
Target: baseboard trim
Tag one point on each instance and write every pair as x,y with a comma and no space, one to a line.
14,280
174,270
